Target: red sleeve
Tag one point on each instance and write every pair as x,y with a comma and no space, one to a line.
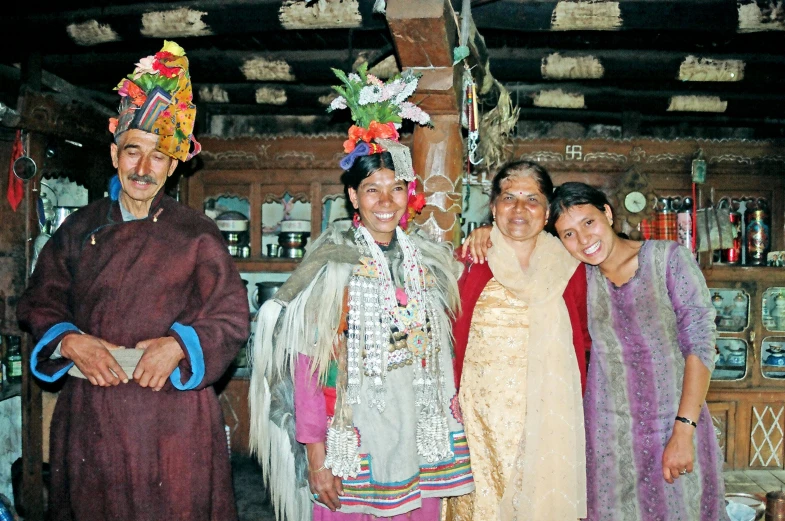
470,286
575,298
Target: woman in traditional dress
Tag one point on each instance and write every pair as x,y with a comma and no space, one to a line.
520,349
651,449
353,406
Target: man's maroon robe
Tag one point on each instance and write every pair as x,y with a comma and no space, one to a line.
127,452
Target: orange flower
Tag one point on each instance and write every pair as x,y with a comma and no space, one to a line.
374,130
382,131
355,134
113,124
349,145
137,95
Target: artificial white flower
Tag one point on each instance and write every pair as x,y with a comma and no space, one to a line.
414,113
369,94
338,103
410,85
391,90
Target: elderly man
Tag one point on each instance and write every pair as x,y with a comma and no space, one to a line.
137,296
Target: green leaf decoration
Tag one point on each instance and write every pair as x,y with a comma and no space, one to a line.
459,53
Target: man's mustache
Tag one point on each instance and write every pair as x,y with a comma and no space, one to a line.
142,179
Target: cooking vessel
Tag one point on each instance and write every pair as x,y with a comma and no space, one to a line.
263,292
61,212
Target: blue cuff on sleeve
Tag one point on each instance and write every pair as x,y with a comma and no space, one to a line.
194,347
54,332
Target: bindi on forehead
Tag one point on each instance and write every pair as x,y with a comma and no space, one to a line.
522,193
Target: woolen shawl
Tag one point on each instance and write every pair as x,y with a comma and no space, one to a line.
549,473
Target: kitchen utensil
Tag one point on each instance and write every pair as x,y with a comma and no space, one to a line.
750,500
292,244
25,168
234,228
296,226
273,250
60,214
775,506
263,292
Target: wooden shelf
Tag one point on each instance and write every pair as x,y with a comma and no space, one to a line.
10,390
270,264
742,273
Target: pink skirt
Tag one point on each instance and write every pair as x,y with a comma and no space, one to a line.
429,511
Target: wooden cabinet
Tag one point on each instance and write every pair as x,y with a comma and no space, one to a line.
261,171
266,186
265,170
747,393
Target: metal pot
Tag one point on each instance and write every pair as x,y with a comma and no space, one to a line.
61,212
263,292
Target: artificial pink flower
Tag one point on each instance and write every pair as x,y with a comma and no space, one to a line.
145,66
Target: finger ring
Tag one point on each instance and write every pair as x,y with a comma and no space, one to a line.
316,496
683,472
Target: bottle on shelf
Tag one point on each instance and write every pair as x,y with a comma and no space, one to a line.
765,314
684,223
778,313
758,233
13,359
732,255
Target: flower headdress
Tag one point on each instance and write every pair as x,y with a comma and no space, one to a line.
157,98
378,108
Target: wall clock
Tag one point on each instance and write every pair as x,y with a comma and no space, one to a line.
634,201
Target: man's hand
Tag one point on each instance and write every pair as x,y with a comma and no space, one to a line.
160,358
477,244
91,355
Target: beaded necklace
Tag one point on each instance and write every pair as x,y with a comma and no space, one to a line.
373,315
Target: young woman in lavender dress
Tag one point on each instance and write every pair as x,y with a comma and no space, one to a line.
652,453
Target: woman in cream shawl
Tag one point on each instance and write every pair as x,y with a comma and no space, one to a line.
523,322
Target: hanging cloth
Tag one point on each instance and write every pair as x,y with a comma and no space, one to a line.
16,188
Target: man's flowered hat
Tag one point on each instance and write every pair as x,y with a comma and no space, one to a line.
157,98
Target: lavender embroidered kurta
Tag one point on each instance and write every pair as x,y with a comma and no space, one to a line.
642,333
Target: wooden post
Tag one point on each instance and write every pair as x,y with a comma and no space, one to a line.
32,409
438,160
425,33
32,426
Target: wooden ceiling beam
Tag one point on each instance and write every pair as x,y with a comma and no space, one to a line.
215,66
579,97
424,34
308,98
626,15
756,70
176,20
670,118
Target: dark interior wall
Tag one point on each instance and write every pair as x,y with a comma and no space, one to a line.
12,245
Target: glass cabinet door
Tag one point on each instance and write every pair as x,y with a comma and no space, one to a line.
733,309
773,309
731,359
772,357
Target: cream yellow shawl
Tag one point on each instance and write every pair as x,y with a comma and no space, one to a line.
549,474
